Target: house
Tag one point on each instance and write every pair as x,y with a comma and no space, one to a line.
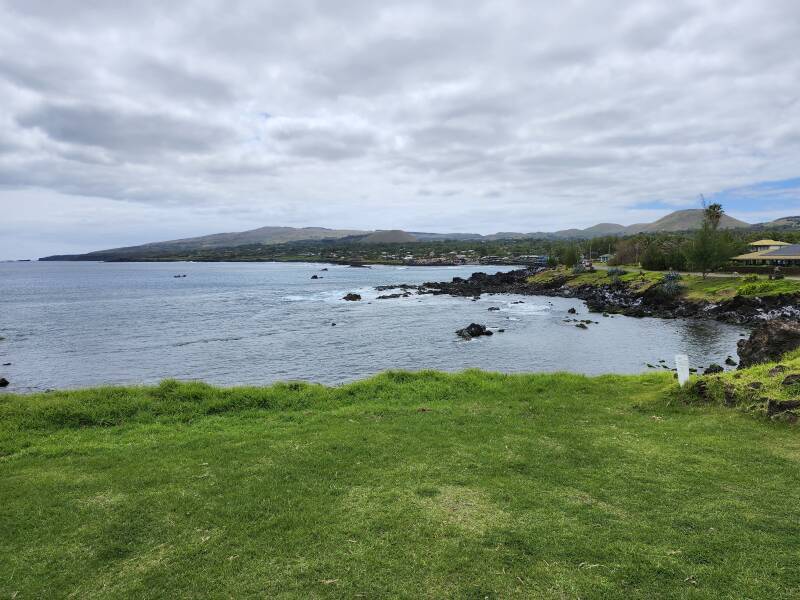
533,259
604,258
771,253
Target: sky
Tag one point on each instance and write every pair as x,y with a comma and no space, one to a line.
129,122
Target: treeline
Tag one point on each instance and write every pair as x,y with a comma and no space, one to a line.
703,250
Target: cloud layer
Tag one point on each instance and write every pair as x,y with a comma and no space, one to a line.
445,115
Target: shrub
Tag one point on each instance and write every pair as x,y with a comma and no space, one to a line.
578,269
616,272
752,278
670,288
768,288
672,276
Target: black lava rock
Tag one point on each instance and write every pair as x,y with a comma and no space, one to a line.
473,330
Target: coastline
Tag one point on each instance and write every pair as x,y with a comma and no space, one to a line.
634,298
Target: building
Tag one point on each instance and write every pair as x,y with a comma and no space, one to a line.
604,258
539,260
771,253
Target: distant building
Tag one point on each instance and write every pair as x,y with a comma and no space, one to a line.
533,259
772,253
604,258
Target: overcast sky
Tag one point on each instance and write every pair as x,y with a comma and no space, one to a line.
129,122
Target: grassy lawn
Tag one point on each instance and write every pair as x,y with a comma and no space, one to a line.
471,485
711,289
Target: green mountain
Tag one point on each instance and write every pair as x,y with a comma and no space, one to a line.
684,220
681,220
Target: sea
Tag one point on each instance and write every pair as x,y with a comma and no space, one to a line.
79,324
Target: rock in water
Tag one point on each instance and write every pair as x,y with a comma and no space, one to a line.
572,311
3,382
315,277
473,330
768,342
730,362
713,368
351,297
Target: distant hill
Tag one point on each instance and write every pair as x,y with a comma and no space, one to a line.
681,220
684,220
783,223
391,236
604,229
262,235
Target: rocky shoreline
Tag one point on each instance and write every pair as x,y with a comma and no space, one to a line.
616,298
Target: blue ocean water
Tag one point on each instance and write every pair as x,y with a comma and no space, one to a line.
70,325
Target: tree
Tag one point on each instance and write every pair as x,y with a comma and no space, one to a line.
569,256
713,213
708,250
629,250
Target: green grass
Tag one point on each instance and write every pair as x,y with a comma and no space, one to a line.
710,289
770,288
470,485
752,389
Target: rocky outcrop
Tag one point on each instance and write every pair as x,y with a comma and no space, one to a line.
616,297
768,342
473,330
713,368
793,379
351,297
4,382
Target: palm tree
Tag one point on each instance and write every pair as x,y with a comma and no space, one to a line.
714,214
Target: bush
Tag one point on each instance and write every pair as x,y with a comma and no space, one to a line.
660,256
578,269
669,289
616,272
672,276
768,288
750,278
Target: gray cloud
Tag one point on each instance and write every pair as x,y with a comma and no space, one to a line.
124,133
364,114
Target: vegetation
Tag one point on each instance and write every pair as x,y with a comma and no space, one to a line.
691,287
469,485
657,251
709,249
761,389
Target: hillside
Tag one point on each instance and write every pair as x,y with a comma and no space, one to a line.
784,223
262,235
393,236
682,220
436,485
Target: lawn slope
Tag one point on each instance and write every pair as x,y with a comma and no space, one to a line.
471,485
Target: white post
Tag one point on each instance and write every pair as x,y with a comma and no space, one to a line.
682,365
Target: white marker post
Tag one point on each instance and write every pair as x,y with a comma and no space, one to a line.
682,365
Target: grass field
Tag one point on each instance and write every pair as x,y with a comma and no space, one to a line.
427,485
711,289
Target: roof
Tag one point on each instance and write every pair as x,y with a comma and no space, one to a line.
790,250
768,243
786,252
751,255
